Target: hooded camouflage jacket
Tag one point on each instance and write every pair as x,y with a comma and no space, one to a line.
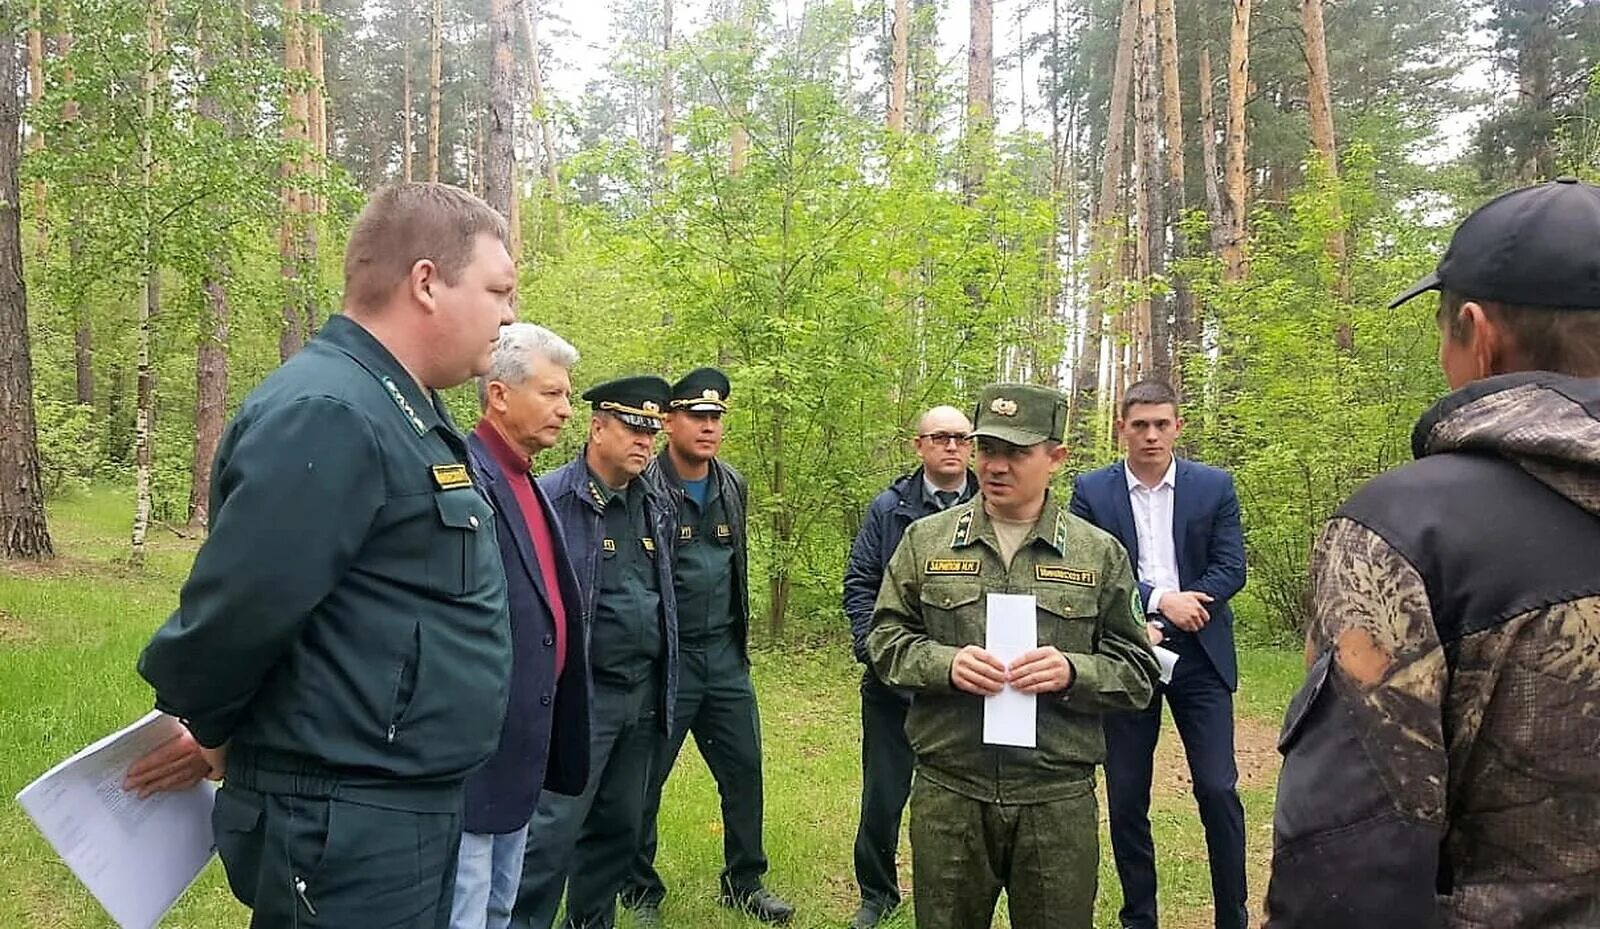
932,603
1442,760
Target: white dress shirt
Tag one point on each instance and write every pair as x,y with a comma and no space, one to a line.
1152,520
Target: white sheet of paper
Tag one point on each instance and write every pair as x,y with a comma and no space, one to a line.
136,856
1167,659
1010,717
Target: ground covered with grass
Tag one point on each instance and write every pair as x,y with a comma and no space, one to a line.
71,629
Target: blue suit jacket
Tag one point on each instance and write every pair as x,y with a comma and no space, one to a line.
545,737
1206,537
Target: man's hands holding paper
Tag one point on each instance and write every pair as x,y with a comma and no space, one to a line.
176,764
1040,670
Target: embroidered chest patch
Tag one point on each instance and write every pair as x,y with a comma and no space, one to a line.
951,566
1061,574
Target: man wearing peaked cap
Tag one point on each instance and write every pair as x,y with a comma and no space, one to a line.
619,534
1439,760
716,700
987,817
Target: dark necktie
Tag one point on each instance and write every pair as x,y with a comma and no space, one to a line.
947,498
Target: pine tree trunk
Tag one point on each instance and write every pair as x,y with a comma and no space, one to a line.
664,146
900,59
23,533
530,23
435,86
150,292
211,348
407,135
1319,99
36,138
738,107
1238,90
1182,337
316,161
501,120
1535,67
980,96
922,60
292,334
1152,358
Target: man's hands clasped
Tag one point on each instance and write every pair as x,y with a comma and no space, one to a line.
1042,670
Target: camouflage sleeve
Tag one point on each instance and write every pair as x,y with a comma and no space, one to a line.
902,652
1122,671
1361,797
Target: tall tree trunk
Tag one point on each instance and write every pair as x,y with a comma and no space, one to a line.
295,131
738,106
83,328
778,585
502,121
1319,97
23,533
435,86
407,94
316,164
36,137
1535,70
900,59
1182,337
665,92
980,96
1106,232
1238,90
211,343
1216,210
922,60
541,113
150,292
1153,356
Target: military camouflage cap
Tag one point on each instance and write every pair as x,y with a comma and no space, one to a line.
703,390
1020,414
637,401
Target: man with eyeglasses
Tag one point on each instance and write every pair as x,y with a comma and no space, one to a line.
989,817
942,481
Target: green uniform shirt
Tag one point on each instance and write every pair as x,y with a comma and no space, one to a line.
626,636
932,603
703,567
349,604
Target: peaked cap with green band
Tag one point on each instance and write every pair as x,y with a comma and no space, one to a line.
703,390
637,401
1021,414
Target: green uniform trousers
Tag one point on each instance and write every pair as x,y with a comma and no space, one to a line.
331,858
1046,856
586,843
717,702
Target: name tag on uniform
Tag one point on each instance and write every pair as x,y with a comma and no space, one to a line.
609,545
724,531
685,533
951,566
1061,574
451,476
649,544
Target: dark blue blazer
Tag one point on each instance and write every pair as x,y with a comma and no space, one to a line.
544,742
1206,537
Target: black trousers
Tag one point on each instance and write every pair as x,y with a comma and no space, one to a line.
1202,708
886,767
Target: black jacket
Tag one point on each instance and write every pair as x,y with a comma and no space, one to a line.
1440,761
903,503
545,738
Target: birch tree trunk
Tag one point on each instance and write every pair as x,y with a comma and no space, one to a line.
150,292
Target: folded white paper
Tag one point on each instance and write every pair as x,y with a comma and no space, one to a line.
1167,659
136,856
1010,717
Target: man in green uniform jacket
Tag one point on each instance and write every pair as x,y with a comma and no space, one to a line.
986,817
716,700
341,646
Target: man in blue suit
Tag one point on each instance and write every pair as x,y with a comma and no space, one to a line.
1179,521
544,742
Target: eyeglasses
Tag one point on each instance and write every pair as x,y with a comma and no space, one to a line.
945,438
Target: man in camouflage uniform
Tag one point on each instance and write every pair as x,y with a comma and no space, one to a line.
1442,760
989,817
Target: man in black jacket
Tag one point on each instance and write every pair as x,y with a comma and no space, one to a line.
943,443
1439,767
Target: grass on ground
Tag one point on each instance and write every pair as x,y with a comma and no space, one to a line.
70,631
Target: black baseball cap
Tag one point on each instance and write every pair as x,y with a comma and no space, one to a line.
1536,246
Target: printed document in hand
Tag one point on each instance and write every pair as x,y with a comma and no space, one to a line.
136,856
1010,717
1167,659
